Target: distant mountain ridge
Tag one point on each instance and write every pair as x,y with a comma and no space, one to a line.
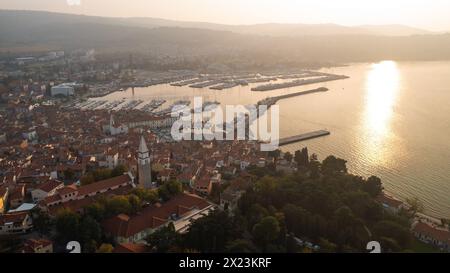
255,43
270,29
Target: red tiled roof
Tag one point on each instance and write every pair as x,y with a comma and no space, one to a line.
49,186
3,190
153,217
104,185
67,189
52,199
78,205
34,243
13,218
389,201
130,248
18,193
437,234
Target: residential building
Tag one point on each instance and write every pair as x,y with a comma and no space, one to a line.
62,90
179,210
15,223
17,196
71,192
429,234
46,189
37,246
390,203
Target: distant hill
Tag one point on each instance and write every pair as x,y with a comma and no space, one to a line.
19,29
395,30
271,29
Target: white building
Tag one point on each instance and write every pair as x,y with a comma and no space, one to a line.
111,160
46,189
30,135
64,89
2,138
15,223
113,130
154,122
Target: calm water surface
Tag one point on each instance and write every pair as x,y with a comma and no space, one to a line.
389,119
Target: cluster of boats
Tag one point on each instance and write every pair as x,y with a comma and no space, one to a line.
168,110
91,104
222,82
129,105
299,82
152,105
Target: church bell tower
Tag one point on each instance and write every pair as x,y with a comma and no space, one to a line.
144,166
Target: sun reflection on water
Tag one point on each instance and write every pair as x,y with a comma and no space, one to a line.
382,86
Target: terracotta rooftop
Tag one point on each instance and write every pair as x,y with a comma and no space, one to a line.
130,248
435,233
389,201
31,244
104,184
153,217
49,186
13,218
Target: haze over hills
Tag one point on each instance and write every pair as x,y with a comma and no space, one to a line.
270,29
277,29
330,43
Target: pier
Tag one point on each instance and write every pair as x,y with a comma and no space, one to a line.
272,100
302,137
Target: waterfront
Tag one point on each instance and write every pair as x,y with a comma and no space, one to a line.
388,119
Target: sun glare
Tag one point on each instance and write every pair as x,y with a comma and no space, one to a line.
382,87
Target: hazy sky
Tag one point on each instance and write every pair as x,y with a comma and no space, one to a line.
428,14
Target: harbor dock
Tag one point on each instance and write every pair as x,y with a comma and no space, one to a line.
302,137
272,100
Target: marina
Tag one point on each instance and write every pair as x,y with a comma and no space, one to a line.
296,83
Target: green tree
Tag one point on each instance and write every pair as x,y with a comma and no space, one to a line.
87,179
146,195
266,231
169,189
67,225
314,167
118,171
102,174
415,206
373,186
105,248
275,154
41,222
288,156
211,233
89,231
327,246
69,174
135,203
164,239
332,165
389,229
240,246
301,157
95,210
117,205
